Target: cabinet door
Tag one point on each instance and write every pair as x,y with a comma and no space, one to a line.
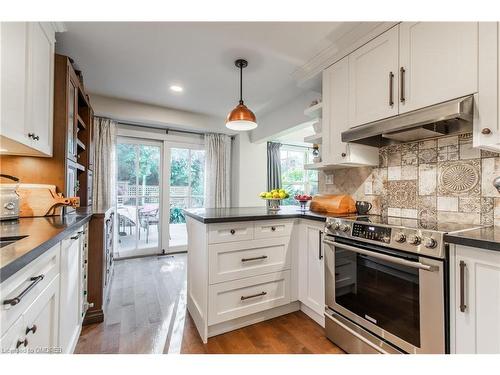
311,284
477,301
70,297
438,62
41,321
41,83
373,79
72,125
14,78
12,340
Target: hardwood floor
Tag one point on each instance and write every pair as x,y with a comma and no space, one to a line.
147,314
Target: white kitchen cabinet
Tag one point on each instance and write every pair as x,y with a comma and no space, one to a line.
373,79
336,120
70,306
437,62
27,81
475,300
486,132
311,270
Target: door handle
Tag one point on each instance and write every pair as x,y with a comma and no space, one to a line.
463,266
391,89
402,76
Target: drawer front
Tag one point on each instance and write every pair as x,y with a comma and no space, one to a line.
230,232
238,298
12,341
237,260
47,265
273,228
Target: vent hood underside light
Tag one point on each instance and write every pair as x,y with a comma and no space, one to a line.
452,117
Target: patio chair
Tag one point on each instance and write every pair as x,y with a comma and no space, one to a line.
146,219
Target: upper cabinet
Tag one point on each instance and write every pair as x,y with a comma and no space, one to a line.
411,66
27,81
335,120
373,79
438,62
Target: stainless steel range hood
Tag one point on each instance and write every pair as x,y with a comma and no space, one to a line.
452,117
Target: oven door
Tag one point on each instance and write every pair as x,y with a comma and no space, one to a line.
397,296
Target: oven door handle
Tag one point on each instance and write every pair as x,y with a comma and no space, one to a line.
388,258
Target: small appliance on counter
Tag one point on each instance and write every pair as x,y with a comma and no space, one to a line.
9,199
333,204
363,207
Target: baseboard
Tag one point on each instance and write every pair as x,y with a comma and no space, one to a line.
320,319
244,321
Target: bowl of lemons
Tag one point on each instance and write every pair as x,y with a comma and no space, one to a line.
274,196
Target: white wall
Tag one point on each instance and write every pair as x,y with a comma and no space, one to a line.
284,117
141,113
249,172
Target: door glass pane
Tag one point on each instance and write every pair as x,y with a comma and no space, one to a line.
384,293
71,122
138,198
187,182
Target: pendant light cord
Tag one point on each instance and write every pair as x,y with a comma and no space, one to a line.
241,83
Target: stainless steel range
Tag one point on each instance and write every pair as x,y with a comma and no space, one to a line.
385,284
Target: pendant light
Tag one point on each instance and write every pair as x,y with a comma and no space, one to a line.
241,118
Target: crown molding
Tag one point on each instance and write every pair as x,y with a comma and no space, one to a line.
344,45
59,27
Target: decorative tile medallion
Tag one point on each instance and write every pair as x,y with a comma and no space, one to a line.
402,194
459,178
428,155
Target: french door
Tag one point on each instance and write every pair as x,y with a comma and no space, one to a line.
139,197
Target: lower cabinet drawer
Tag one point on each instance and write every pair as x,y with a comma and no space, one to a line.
273,228
238,298
24,286
236,260
230,232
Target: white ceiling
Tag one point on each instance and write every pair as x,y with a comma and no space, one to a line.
139,61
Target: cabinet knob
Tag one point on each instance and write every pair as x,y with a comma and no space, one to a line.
31,135
232,231
31,329
343,154
486,131
36,137
273,228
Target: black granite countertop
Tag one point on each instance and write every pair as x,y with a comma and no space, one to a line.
42,234
487,238
232,214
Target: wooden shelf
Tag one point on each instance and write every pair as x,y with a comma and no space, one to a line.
314,111
80,145
81,123
315,138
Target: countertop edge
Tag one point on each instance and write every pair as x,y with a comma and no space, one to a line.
16,265
482,244
253,217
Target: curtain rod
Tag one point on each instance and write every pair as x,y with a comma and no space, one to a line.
166,129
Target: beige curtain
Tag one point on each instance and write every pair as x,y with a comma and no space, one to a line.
217,171
104,133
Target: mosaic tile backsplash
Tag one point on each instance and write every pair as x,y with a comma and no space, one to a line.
443,179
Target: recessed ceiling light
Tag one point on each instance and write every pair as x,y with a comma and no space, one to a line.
176,88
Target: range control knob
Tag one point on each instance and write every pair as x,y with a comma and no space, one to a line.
430,243
400,237
345,228
386,239
414,240
9,206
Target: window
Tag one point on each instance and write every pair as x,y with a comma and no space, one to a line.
294,178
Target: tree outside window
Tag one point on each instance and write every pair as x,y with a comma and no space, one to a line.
294,178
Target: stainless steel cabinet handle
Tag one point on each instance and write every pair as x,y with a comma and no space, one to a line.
14,301
22,342
391,89
254,258
463,306
320,253
387,258
31,329
253,295
402,77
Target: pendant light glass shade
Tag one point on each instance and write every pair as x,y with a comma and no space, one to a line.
241,118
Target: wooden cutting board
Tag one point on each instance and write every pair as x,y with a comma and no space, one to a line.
42,200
